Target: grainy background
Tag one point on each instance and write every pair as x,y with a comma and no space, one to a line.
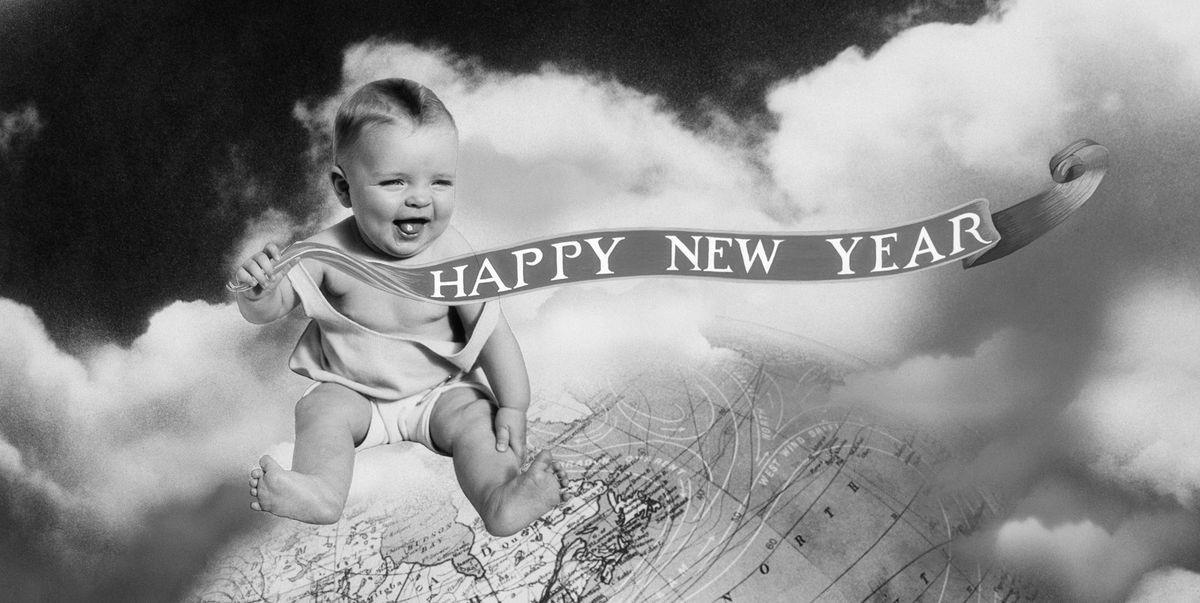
146,146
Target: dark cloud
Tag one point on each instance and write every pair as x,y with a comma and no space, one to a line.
54,551
168,125
172,548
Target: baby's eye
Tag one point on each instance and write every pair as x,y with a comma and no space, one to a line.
394,182
443,183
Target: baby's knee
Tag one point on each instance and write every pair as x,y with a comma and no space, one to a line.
330,401
473,410
308,408
461,410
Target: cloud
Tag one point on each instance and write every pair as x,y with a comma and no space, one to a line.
270,226
939,115
1075,355
586,339
995,99
1087,562
997,406
1058,449
106,456
1128,421
17,129
551,151
1168,585
186,385
1137,412
998,383
944,113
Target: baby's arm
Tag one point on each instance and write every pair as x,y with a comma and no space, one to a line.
504,365
266,300
501,360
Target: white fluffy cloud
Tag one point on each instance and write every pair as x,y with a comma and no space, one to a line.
976,391
887,137
1168,585
584,340
1091,563
944,113
1137,412
1131,423
185,408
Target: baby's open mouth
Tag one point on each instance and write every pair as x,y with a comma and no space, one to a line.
412,226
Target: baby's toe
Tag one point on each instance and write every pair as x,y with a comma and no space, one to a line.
256,472
254,492
254,482
254,505
542,461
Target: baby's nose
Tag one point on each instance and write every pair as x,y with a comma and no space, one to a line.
419,197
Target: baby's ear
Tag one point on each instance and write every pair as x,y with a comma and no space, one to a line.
341,186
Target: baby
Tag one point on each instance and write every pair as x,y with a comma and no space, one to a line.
389,368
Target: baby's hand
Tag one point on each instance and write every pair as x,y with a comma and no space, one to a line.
510,430
256,271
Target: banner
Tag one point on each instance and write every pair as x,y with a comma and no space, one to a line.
969,233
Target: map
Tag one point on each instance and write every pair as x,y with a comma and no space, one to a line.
735,480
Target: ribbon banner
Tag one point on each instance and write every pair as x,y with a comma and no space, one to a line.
969,233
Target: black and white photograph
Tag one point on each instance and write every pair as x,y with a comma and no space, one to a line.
583,302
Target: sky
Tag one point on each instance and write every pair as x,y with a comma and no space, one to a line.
146,148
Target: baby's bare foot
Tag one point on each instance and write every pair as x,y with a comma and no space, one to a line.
526,497
294,495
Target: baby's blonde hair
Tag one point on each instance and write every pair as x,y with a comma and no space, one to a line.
388,101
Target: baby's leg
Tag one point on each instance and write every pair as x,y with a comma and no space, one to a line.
506,499
329,421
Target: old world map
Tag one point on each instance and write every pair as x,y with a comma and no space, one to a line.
730,480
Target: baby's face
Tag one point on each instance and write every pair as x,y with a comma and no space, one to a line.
400,184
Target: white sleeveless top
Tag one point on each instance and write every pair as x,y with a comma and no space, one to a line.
384,366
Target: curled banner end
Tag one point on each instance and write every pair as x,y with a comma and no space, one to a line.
1077,171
